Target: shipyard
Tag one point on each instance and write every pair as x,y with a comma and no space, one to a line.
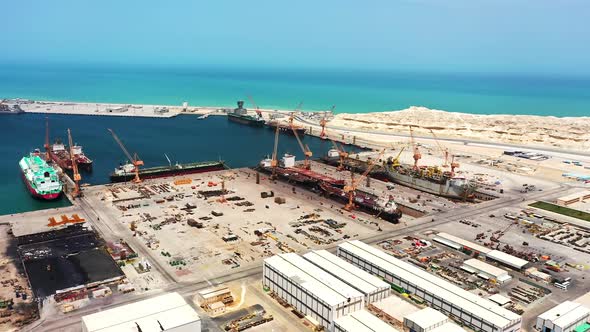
399,235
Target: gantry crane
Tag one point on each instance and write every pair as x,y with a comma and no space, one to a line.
47,146
417,155
274,162
135,159
306,151
350,189
77,177
443,150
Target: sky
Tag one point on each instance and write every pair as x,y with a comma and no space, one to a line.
431,35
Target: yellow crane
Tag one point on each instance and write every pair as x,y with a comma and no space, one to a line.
395,161
417,155
341,153
77,177
350,189
274,162
135,159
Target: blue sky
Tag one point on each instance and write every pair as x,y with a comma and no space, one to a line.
454,35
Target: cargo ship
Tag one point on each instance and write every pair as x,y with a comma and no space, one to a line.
384,208
331,188
10,109
429,179
125,172
41,179
61,156
240,115
286,128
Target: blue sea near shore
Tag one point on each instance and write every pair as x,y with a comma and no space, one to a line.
349,90
183,138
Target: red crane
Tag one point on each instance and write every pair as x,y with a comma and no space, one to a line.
274,162
135,159
306,151
77,177
443,150
258,112
341,153
350,189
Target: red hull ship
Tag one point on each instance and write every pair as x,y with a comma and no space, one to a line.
61,156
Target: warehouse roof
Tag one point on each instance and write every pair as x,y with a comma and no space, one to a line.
499,299
485,267
427,317
572,317
169,311
448,327
363,321
559,310
214,292
483,308
464,243
507,259
315,280
574,195
343,270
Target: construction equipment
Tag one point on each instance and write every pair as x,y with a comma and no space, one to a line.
350,189
395,161
274,162
323,125
47,146
77,177
306,151
453,165
443,150
417,154
134,160
258,112
341,153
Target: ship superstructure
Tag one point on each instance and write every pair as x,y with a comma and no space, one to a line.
41,179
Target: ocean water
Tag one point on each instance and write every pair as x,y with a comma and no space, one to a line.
183,139
350,91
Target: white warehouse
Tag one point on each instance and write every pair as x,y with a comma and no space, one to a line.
564,317
362,321
485,270
309,289
373,288
473,311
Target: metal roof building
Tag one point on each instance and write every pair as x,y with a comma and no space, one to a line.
362,321
457,241
430,320
168,312
564,317
373,288
309,289
485,270
506,259
473,311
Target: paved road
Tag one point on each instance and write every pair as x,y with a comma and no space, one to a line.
459,140
72,320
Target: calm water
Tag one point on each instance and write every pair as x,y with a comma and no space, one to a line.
350,91
183,139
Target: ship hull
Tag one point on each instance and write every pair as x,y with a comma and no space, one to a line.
445,188
287,130
245,120
147,173
62,161
35,194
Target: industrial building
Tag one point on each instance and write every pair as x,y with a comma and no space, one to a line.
473,311
564,317
489,254
373,288
168,312
430,320
361,321
485,270
309,289
574,198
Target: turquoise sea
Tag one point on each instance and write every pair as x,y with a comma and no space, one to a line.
349,90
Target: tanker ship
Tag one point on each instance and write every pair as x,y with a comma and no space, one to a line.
126,172
428,179
41,179
61,156
240,115
332,188
286,128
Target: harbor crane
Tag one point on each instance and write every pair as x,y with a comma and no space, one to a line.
350,189
47,146
417,155
443,150
258,112
274,162
341,153
306,151
135,159
77,177
323,123
395,161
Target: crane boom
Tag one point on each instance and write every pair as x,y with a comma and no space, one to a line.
443,150
417,155
47,146
351,188
135,159
77,176
306,151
